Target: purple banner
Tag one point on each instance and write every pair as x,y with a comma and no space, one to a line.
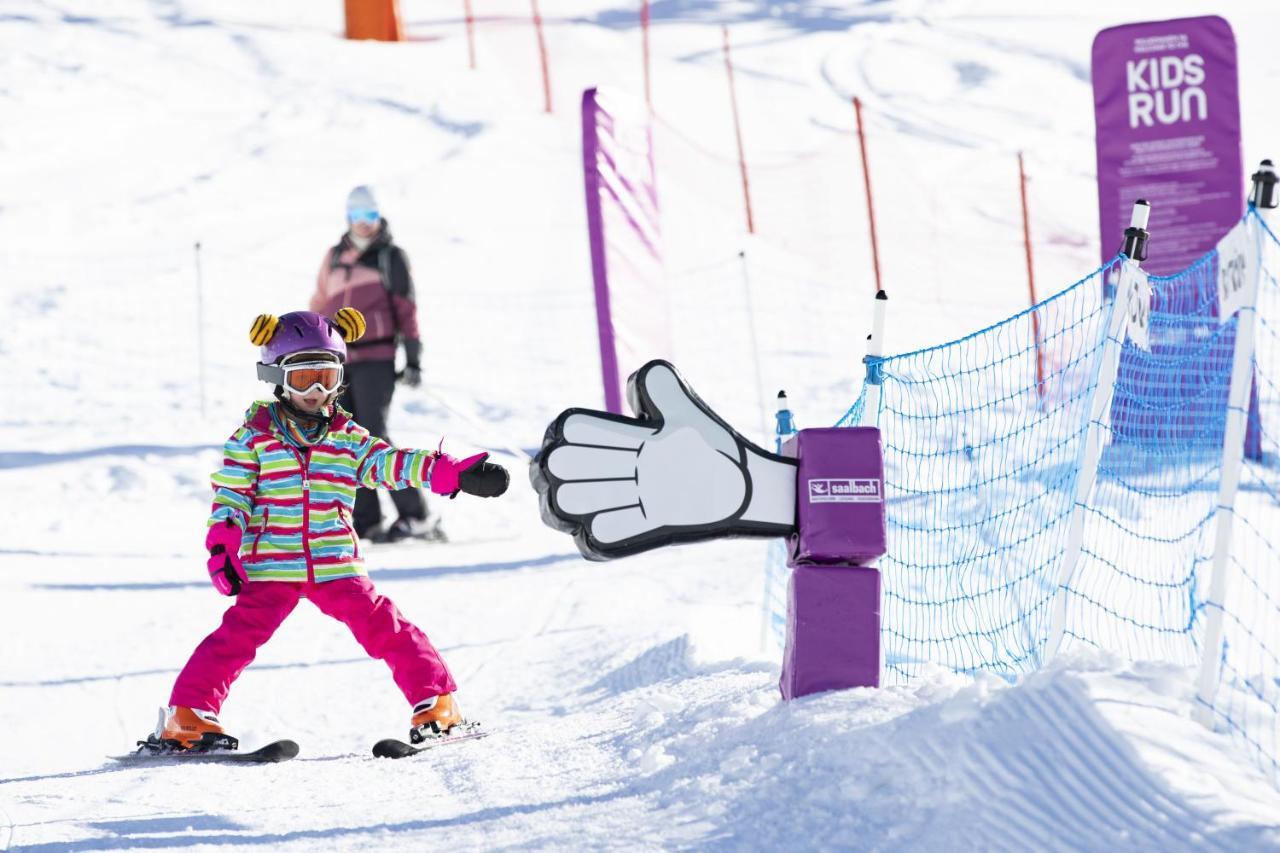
632,314
1168,130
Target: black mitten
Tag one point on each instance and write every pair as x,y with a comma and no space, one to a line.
484,479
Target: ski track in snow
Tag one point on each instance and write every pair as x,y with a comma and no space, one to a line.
628,703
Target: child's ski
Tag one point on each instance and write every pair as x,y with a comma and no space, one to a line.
392,748
277,751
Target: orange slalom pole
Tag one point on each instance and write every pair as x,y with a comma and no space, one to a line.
470,17
1031,276
542,53
737,130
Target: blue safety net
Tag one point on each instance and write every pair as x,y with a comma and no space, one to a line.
1245,699
1005,532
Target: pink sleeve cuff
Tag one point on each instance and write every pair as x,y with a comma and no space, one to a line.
428,463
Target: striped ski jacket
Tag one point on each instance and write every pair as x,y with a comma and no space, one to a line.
294,504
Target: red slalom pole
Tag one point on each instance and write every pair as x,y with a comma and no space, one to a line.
644,40
1031,277
866,179
737,130
471,33
542,52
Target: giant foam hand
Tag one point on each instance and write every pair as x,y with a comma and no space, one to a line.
675,473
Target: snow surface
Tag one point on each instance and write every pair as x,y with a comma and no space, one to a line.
631,703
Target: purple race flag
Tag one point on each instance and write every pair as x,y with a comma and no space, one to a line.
632,313
1168,131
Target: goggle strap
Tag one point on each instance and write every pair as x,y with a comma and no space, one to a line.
271,373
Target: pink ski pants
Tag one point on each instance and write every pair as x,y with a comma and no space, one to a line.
378,626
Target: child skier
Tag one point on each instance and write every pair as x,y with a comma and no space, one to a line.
281,531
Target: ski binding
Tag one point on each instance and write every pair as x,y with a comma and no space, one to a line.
393,748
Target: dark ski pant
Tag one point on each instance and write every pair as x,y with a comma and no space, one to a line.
370,385
377,624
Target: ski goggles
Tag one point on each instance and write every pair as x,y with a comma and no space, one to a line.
363,214
303,376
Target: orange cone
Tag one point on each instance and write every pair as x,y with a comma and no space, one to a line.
374,19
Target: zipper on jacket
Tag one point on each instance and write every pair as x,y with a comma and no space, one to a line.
266,517
306,517
304,459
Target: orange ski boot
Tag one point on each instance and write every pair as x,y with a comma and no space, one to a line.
181,729
435,718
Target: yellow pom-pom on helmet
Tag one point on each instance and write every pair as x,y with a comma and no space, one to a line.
264,328
296,340
351,323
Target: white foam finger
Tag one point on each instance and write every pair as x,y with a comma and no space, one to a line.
570,462
586,498
669,396
619,524
680,410
587,429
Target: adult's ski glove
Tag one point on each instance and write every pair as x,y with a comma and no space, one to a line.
225,569
472,475
411,375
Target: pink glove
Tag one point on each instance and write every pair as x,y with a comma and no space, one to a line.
472,475
225,569
445,471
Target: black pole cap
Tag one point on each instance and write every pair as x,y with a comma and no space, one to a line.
1136,236
1264,194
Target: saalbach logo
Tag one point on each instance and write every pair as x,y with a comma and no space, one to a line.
847,490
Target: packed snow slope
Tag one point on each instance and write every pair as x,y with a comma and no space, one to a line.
631,703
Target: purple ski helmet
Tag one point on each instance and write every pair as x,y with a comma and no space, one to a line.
304,331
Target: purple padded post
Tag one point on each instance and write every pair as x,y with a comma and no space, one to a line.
839,496
833,630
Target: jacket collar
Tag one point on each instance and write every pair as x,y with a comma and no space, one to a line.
258,419
381,240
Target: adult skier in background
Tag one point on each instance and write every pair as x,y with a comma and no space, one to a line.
366,270
280,531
